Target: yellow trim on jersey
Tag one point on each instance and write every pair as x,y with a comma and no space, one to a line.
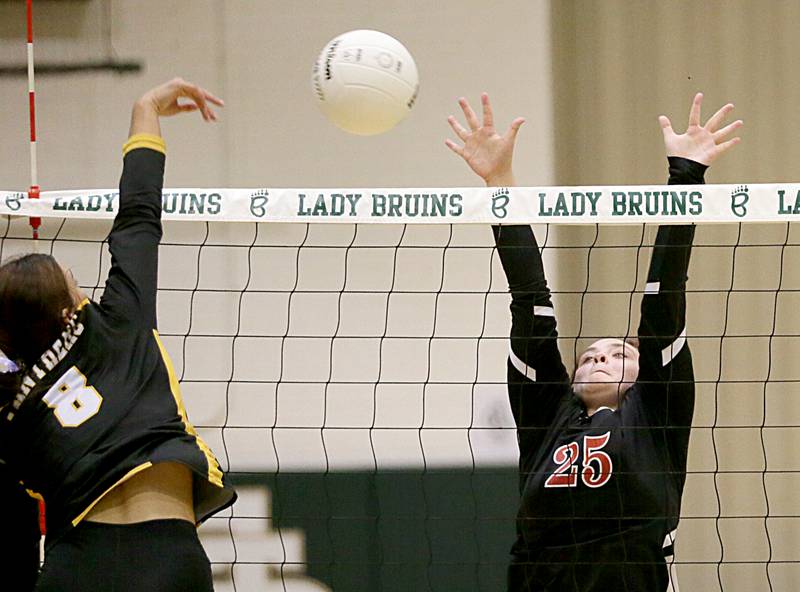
127,476
34,495
214,472
145,141
83,303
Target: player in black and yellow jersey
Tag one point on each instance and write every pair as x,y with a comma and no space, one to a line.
92,418
602,454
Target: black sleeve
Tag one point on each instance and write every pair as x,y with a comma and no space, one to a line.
130,291
665,364
537,378
20,534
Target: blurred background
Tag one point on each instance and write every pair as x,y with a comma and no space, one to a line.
383,467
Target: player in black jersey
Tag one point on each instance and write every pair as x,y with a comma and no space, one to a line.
91,417
602,455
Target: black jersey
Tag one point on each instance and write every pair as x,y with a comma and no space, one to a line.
20,534
103,403
600,494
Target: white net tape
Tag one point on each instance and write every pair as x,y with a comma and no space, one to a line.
623,204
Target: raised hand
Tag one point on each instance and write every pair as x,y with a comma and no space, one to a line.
486,152
165,99
705,143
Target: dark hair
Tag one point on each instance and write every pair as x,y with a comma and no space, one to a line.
33,295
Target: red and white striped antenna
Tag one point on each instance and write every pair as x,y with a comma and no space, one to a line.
33,192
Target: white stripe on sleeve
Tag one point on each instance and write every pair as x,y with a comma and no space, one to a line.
672,585
521,366
670,538
673,349
652,287
543,311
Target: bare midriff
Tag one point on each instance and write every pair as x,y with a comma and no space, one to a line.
163,491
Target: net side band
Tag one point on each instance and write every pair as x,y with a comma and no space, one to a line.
620,204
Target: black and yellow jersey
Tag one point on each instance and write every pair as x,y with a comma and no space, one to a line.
103,403
600,494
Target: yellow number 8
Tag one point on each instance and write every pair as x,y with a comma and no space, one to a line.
74,402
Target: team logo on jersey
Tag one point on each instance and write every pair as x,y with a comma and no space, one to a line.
258,202
739,199
500,199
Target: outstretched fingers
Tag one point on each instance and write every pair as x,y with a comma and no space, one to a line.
694,112
202,98
485,151
469,114
666,126
213,99
513,129
725,146
716,120
454,147
180,96
457,128
719,135
488,115
700,143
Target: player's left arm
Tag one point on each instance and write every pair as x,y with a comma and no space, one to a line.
130,290
665,365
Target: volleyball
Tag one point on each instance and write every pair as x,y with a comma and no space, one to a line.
365,82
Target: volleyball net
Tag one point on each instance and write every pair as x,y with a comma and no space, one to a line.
351,377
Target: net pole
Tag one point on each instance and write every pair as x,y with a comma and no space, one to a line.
33,191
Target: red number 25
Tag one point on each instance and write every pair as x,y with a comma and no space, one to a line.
597,465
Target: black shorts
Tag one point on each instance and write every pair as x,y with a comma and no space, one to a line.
162,555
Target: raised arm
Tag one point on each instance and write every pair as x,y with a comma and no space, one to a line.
130,291
537,378
665,360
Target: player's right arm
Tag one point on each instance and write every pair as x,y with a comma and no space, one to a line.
130,291
537,379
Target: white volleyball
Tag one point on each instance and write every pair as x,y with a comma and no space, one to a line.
365,82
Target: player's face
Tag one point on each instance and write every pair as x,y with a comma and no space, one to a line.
605,371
